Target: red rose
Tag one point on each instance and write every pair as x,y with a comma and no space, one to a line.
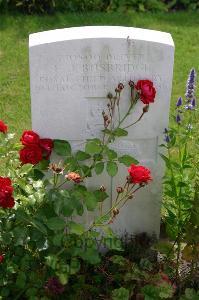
29,137
146,90
46,146
31,154
6,185
6,190
1,258
139,174
3,127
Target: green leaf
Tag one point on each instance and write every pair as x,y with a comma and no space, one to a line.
52,261
63,203
150,292
93,147
63,277
71,163
90,254
99,167
100,195
57,239
190,294
21,280
167,161
32,292
56,223
111,154
90,200
74,266
120,294
120,132
98,157
107,131
87,170
127,160
112,168
81,155
76,228
119,260
25,169
62,147
42,165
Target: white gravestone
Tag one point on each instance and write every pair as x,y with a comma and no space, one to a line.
71,72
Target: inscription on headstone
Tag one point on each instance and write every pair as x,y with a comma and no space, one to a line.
71,72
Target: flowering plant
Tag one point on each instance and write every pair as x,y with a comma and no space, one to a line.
181,203
41,243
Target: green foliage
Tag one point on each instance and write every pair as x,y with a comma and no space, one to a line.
190,294
120,294
161,291
112,168
181,184
50,6
62,148
127,160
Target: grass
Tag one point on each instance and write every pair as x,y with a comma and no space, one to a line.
14,72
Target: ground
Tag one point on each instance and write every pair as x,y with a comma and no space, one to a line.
14,31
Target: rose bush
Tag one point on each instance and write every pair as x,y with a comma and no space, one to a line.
42,245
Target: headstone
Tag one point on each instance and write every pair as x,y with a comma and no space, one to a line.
71,72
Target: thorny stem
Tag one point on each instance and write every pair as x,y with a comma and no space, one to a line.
125,198
135,121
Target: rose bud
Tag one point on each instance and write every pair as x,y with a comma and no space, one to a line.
110,221
115,212
102,188
109,96
73,176
128,179
120,86
119,189
105,118
145,108
131,84
117,90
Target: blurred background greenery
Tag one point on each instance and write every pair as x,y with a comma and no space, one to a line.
20,18
51,6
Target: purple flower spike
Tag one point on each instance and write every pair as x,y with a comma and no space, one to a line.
190,85
189,107
178,119
179,102
193,103
166,131
167,138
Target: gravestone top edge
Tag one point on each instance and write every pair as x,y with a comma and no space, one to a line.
97,32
